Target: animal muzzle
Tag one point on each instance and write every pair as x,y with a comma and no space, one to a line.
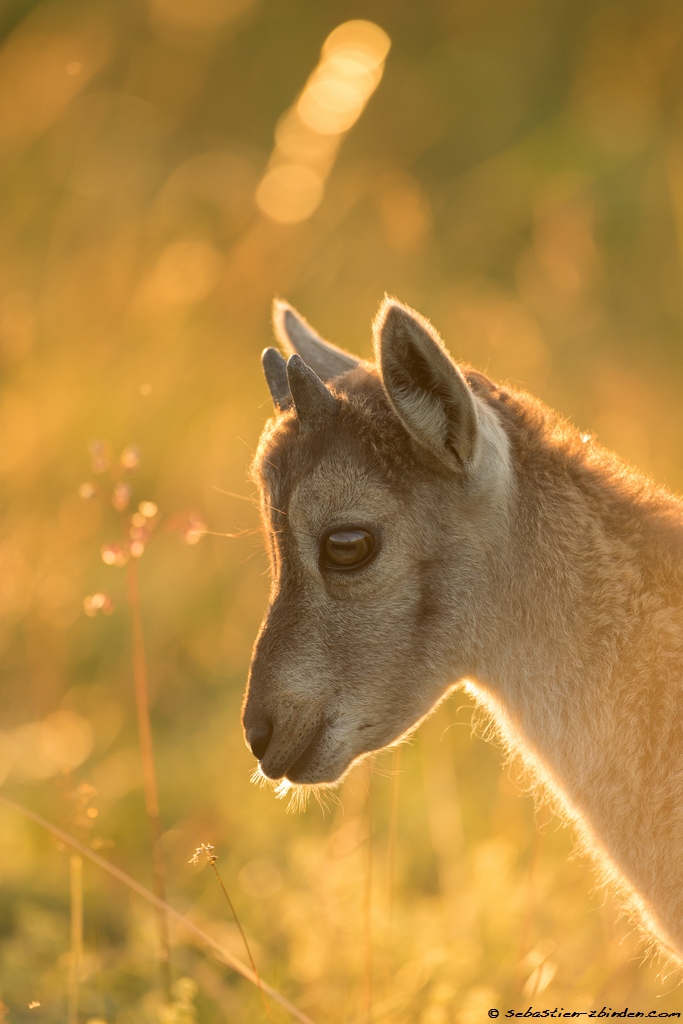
284,745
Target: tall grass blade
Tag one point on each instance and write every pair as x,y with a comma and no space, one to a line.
148,770
367,902
76,894
227,958
211,857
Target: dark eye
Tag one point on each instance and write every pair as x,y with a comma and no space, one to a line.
346,549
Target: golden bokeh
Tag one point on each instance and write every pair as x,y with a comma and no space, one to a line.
308,135
512,169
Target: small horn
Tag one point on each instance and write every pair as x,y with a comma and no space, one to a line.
312,401
275,370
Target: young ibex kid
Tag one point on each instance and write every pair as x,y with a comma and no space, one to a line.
428,528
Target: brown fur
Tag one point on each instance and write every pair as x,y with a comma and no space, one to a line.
518,559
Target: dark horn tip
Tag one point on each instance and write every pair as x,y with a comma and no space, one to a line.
270,355
275,372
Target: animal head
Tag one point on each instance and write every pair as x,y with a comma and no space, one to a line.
384,492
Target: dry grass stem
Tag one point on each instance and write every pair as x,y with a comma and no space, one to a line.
148,770
226,957
391,840
367,902
208,851
530,905
76,893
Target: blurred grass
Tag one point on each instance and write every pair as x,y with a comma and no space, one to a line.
518,177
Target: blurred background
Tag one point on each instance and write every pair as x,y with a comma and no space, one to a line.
511,168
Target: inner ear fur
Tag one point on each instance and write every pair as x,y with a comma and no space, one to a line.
426,389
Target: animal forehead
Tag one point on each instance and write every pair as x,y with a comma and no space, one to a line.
339,489
361,440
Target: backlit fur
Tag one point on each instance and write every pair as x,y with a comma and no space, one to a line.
545,576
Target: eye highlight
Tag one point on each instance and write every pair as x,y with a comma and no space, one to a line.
347,548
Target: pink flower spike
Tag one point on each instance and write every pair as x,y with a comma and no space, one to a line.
149,509
130,457
114,554
99,602
121,496
100,456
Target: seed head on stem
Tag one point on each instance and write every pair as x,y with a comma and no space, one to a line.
207,850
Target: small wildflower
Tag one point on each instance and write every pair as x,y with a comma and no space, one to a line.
80,813
121,496
206,848
148,509
100,456
139,532
130,457
87,491
83,792
184,990
182,1010
94,603
114,554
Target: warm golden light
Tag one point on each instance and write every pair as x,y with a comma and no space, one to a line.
185,273
334,99
39,78
197,16
364,38
66,739
296,142
290,193
308,135
167,168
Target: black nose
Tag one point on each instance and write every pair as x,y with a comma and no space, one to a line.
258,738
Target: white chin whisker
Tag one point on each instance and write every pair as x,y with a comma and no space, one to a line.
258,778
298,794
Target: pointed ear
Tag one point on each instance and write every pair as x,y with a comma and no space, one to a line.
425,387
294,334
313,403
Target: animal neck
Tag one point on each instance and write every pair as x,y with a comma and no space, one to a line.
581,662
